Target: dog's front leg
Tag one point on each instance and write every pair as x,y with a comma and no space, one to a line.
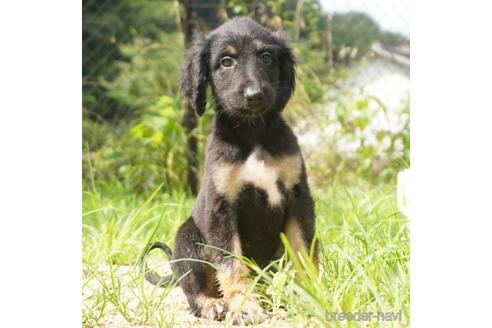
232,273
300,224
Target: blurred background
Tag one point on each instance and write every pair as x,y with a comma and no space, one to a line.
350,109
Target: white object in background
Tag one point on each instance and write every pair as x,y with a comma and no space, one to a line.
403,191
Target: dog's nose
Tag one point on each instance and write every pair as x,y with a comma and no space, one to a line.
253,94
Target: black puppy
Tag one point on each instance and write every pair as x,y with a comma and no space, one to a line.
255,183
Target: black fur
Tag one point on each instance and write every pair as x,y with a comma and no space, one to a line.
242,125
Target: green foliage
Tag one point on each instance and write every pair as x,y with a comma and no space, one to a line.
107,27
150,71
357,31
313,73
364,243
361,142
142,153
354,30
364,256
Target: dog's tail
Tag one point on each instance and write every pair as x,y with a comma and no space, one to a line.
151,276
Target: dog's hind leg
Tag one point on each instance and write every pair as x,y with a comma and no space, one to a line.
198,280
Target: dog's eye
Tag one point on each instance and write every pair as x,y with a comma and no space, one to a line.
226,61
266,58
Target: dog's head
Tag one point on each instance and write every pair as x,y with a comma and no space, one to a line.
250,69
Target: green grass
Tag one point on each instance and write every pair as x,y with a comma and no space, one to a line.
364,259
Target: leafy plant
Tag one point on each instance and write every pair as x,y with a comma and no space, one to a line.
143,154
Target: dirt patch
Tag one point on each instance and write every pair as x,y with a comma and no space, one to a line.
121,290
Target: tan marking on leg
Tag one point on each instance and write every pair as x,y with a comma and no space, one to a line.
294,235
236,287
232,277
211,289
242,301
211,307
233,280
296,239
237,248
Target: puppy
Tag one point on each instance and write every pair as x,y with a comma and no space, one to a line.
255,184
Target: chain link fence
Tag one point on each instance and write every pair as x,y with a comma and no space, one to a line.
122,37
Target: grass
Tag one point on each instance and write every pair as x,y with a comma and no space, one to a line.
364,260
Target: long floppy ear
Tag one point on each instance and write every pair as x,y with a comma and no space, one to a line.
287,75
193,76
287,63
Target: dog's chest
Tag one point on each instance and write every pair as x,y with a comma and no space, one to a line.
261,170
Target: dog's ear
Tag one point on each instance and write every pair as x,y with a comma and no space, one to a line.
287,73
193,76
287,63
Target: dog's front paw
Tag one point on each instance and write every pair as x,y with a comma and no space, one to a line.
214,310
245,311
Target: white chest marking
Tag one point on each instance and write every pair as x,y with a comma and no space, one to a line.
263,173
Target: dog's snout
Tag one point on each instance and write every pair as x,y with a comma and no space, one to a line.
253,94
